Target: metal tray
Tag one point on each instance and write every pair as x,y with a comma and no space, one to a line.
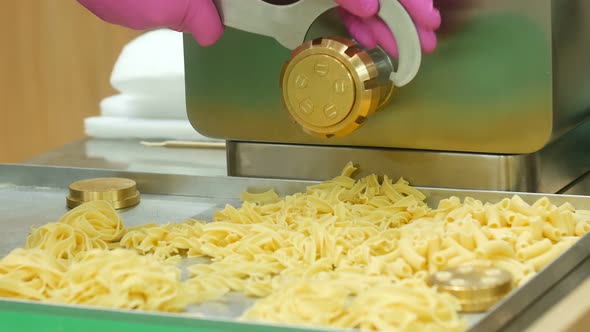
35,195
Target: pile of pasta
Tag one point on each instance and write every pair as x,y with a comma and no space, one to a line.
76,260
345,253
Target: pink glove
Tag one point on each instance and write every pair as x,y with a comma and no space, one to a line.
360,18
200,18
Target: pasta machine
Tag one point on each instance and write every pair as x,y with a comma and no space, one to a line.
502,104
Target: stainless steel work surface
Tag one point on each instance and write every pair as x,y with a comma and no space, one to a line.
34,195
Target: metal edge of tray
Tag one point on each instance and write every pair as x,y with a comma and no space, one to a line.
507,310
222,187
226,187
230,188
534,314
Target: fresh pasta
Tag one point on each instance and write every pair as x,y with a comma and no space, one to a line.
167,242
62,241
93,225
116,279
344,253
342,301
98,219
30,274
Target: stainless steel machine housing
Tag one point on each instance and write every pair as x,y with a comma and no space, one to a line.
501,104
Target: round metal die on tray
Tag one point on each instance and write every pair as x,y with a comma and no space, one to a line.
477,288
120,192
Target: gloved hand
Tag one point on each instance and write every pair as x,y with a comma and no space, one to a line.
200,18
369,30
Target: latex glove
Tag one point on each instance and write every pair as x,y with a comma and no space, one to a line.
360,18
201,19
198,17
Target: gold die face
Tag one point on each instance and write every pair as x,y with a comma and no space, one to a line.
330,86
321,90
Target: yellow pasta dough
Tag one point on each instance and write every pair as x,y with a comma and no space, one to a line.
92,225
62,241
166,242
30,274
122,279
98,219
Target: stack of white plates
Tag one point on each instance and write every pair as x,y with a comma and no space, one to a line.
149,76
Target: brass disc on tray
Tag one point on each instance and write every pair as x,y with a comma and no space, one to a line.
121,193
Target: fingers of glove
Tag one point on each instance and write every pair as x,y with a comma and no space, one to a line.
369,30
202,21
428,39
199,17
359,30
360,8
138,14
386,39
383,35
423,13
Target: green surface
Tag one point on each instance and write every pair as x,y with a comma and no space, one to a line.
19,321
16,316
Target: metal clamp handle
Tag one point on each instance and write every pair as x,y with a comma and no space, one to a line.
408,42
289,24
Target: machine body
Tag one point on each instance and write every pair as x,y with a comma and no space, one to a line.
505,92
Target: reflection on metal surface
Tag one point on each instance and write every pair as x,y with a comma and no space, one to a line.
507,77
548,170
330,86
185,144
176,197
579,187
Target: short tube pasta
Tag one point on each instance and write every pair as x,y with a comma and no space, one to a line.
547,257
534,250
